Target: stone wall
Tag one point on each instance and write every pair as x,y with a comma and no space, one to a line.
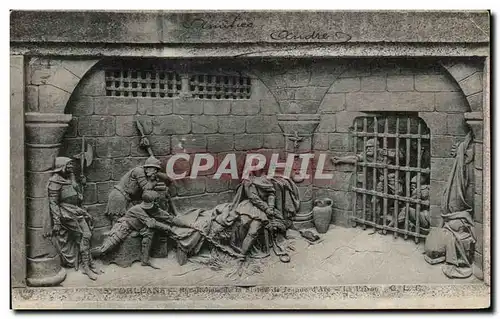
339,90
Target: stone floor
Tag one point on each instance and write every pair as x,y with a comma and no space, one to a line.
343,256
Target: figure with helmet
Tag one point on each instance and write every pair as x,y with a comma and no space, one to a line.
71,224
132,185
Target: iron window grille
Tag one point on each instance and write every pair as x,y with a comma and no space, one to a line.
143,83
220,87
383,196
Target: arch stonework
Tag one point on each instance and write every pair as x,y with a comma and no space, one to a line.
49,85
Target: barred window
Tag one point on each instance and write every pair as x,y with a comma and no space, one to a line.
143,83
392,185
204,86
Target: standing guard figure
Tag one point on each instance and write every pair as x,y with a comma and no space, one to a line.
132,185
71,224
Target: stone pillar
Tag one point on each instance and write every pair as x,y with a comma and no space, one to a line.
44,133
298,130
475,122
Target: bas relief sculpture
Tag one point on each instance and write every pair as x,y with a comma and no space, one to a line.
265,157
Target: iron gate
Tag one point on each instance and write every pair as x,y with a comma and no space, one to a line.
391,184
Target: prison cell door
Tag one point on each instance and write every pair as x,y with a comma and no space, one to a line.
391,184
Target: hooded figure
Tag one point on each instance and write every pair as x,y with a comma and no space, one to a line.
132,185
456,238
71,224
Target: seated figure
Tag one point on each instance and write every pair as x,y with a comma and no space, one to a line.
411,212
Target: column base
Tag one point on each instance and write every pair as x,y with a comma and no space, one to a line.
45,272
477,272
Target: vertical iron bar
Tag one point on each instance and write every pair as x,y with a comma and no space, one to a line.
408,176
355,180
386,130
396,202
365,129
374,198
417,213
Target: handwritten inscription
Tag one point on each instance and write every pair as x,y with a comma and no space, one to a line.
204,24
287,35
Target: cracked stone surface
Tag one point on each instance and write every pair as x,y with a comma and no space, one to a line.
342,256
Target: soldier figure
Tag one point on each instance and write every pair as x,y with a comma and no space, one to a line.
132,185
143,218
71,224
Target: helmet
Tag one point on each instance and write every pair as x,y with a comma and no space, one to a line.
148,199
152,162
60,164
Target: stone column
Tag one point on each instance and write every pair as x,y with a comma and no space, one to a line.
298,130
44,133
475,122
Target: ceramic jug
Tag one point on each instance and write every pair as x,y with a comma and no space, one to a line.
322,214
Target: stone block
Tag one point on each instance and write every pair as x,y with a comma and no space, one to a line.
274,141
231,124
332,103
243,107
298,78
262,124
171,124
340,181
435,83
100,170
478,228
93,84
216,185
462,70
477,268
127,125
299,106
189,143
320,141
441,168
153,106
96,125
220,143
103,190
390,101
243,142
384,67
32,98
472,84
441,145
434,121
112,146
90,193
356,68
39,246
72,146
327,123
478,208
373,83
283,93
310,93
435,214
436,191
456,125
451,102
216,107
476,102
81,105
340,142
72,130
110,105
400,83
269,107
478,181
36,183
478,156
120,166
52,99
340,217
38,213
98,212
188,106
204,124
344,121
39,159
345,85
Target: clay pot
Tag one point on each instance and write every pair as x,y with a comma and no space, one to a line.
322,214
